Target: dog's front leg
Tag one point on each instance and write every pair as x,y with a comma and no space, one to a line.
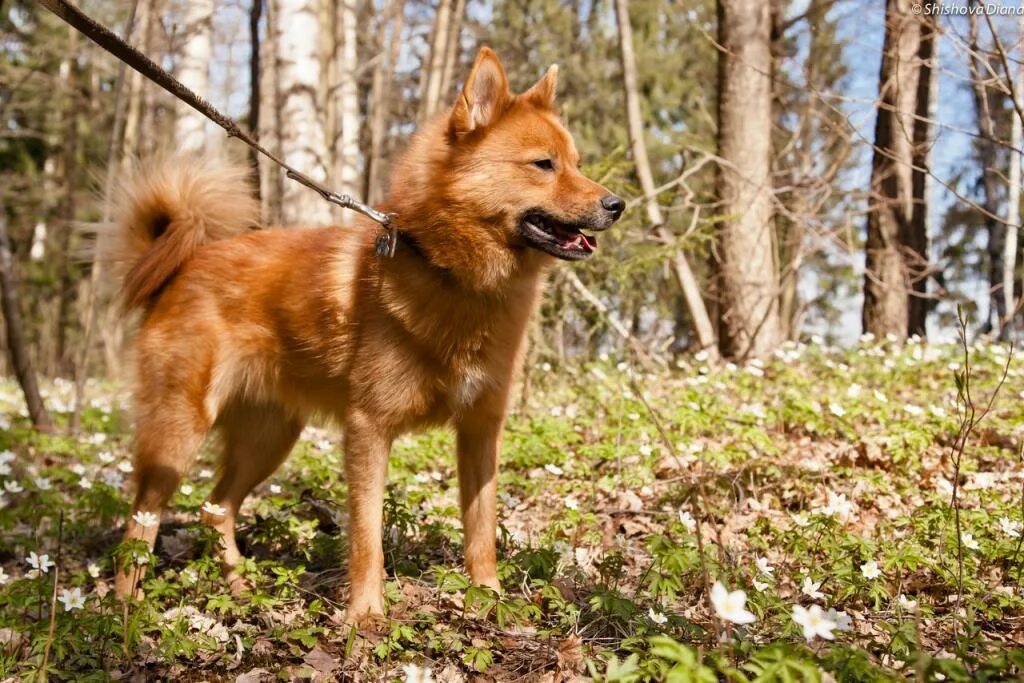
478,446
367,446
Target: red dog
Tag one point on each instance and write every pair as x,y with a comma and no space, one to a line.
256,332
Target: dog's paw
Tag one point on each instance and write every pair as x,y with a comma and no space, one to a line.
375,622
365,612
237,583
489,582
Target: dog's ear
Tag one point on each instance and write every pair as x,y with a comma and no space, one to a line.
484,97
542,93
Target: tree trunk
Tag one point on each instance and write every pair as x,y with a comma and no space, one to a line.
194,73
451,54
745,263
680,266
345,139
19,357
1013,200
253,119
917,240
68,170
303,138
381,100
270,123
896,257
430,94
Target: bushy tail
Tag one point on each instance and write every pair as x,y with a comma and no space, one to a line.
163,212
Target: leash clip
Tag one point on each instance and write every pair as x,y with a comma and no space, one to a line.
387,242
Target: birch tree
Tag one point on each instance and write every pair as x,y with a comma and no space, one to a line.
745,267
303,141
196,51
345,139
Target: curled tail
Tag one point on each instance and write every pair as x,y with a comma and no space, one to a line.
164,212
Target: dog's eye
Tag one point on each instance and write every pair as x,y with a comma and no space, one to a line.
545,164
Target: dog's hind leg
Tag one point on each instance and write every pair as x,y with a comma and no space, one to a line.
168,436
257,439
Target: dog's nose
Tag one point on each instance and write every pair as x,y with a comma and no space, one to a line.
613,204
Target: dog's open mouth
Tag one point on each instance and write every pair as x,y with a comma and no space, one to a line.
563,240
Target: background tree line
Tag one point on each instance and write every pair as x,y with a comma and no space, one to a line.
817,167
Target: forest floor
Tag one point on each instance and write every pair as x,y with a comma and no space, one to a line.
822,478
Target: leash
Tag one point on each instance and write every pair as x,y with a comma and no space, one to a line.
110,42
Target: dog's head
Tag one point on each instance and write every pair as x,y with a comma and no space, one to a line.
514,162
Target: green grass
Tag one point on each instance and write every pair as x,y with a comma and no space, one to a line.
819,461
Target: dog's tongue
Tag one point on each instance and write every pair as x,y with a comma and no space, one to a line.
580,241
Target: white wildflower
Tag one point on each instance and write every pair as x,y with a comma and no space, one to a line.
72,599
214,509
842,620
906,603
814,622
93,569
12,486
6,457
186,489
1010,527
125,466
688,521
275,489
40,563
85,483
731,606
870,570
554,469
417,674
42,483
106,457
571,503
810,588
763,566
657,617
760,585
205,473
969,542
836,410
113,479
146,519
